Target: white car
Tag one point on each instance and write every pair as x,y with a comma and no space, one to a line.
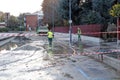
42,30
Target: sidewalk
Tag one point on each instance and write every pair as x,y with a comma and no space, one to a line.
93,47
4,41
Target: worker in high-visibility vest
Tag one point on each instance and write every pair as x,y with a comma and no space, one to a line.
50,37
79,33
79,40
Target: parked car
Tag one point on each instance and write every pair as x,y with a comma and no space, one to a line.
42,30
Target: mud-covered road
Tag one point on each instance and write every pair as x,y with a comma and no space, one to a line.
36,61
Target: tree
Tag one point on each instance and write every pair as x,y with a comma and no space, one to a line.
89,12
13,23
47,11
87,15
103,6
21,19
2,18
91,17
115,10
64,10
51,13
82,13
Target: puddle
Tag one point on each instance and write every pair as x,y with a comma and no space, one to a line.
13,44
8,46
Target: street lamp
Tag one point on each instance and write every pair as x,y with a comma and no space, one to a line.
83,0
70,27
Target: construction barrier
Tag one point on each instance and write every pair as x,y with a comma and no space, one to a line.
14,35
30,34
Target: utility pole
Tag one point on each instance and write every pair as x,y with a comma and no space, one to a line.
53,16
118,54
70,27
117,29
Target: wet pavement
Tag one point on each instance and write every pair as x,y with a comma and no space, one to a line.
36,61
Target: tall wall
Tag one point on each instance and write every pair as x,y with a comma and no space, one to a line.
89,30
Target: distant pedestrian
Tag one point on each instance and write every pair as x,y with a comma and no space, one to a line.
30,29
50,37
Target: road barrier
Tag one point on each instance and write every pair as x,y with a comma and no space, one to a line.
102,32
30,34
14,35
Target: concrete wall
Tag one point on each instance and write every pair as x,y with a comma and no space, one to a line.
92,39
114,63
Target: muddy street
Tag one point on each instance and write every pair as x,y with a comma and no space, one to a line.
36,61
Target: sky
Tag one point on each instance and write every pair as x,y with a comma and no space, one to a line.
15,7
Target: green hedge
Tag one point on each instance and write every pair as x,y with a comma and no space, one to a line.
19,29
16,28
3,29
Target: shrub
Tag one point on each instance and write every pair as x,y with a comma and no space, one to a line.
3,29
115,10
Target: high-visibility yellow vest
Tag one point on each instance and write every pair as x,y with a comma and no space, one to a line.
79,31
50,34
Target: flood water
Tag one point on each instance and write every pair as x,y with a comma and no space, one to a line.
17,42
8,46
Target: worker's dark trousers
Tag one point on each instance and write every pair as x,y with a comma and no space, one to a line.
50,42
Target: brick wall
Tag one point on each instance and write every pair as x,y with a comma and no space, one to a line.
85,29
62,29
32,21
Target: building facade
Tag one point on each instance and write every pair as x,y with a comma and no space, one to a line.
32,21
6,17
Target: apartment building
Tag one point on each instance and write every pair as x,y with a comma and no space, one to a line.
32,21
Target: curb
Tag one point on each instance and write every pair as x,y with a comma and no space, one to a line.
112,62
5,38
